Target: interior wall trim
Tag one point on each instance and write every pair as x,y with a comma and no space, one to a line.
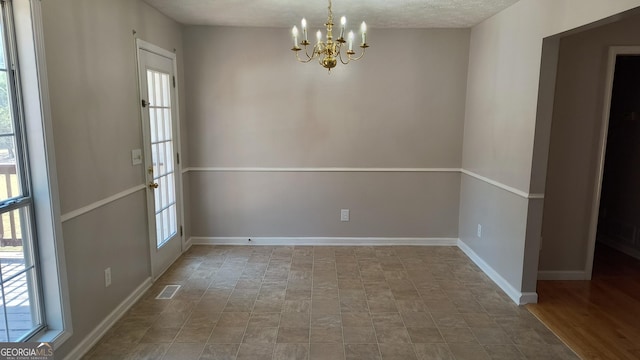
322,241
100,203
354,169
503,186
316,169
520,298
98,332
370,170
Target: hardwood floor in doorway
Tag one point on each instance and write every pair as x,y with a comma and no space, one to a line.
598,319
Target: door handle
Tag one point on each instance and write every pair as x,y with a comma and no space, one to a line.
153,185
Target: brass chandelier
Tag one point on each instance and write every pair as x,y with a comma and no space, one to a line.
328,52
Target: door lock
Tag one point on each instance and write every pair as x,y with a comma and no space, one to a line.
153,185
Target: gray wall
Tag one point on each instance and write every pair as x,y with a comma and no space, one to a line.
575,132
487,205
307,204
251,104
500,128
94,99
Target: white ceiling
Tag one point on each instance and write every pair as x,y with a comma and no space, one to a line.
377,13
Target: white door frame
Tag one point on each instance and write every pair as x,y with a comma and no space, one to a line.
147,46
614,51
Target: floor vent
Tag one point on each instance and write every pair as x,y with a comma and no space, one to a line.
168,292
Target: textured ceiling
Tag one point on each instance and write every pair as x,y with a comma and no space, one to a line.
377,13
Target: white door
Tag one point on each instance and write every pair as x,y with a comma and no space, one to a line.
158,102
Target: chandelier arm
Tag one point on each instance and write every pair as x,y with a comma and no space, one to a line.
342,60
315,51
359,57
304,61
306,53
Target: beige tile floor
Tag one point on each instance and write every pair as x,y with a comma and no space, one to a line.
329,303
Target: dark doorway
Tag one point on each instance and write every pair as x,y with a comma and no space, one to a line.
619,217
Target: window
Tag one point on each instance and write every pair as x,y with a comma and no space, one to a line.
21,314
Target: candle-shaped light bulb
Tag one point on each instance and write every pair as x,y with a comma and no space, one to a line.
319,36
304,28
363,30
351,36
343,22
294,31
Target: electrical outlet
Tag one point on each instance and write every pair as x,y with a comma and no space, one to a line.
344,215
479,231
107,277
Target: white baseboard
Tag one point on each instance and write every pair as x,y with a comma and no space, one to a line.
518,297
94,336
323,241
187,245
562,275
528,298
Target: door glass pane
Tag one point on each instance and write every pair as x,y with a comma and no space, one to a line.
166,97
151,85
152,123
158,89
162,155
165,126
169,156
172,220
160,130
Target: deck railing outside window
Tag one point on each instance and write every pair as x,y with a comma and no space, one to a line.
10,231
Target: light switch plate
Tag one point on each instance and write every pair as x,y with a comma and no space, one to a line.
136,157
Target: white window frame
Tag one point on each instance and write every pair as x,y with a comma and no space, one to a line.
39,134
